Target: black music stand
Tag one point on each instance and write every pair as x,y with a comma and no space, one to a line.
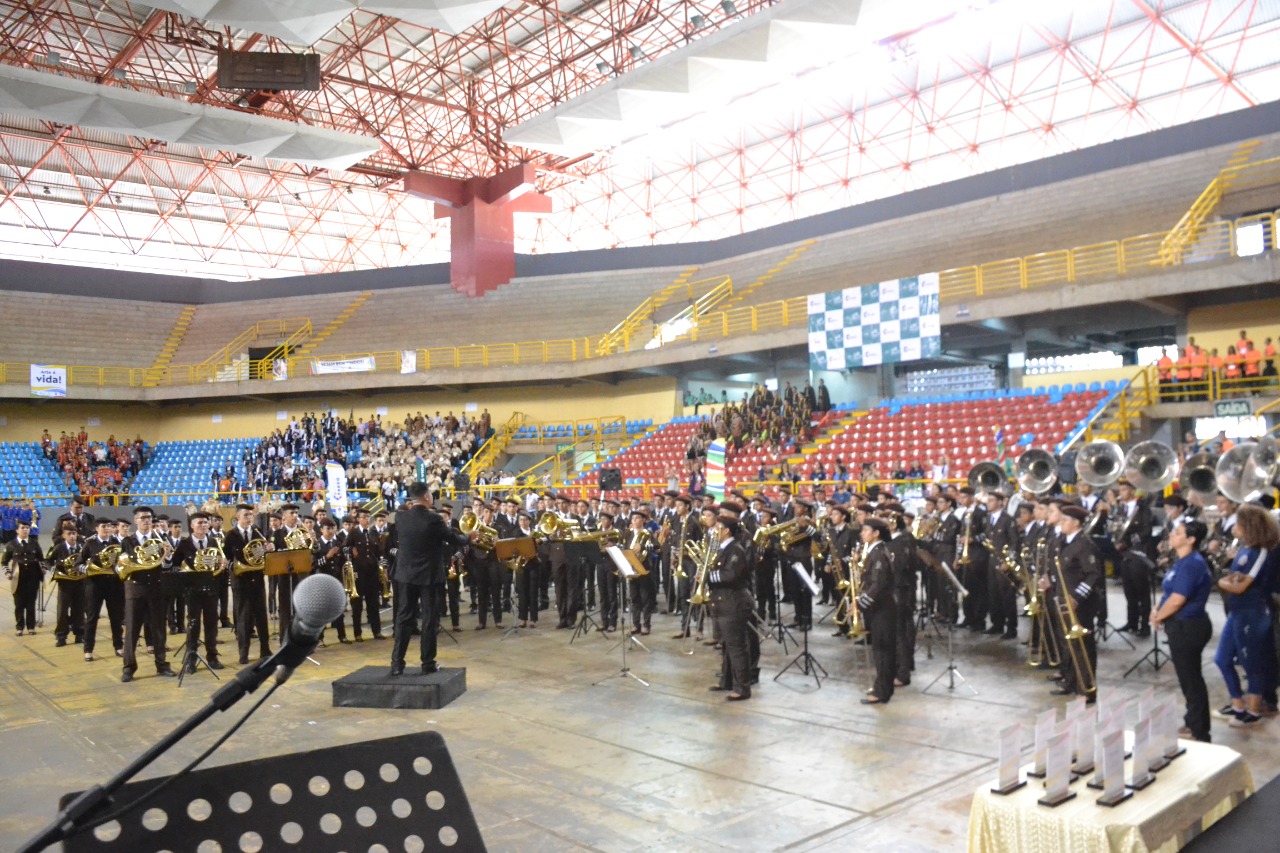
287,565
807,663
778,630
190,585
1157,657
399,793
629,567
507,549
580,554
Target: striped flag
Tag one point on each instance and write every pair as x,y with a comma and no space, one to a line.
715,469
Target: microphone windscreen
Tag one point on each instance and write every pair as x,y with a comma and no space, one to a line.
318,600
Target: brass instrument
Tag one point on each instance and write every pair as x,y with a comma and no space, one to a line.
1100,463
1073,634
384,579
707,554
762,534
104,562
1036,471
255,558
986,477
967,536
792,533
848,613
606,538
298,539
349,579
550,526
1150,466
925,526
457,569
696,551
680,550
1044,650
148,556
486,536
1199,476
1236,475
642,544
66,569
209,560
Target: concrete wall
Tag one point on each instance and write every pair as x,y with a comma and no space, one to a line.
1219,325
654,398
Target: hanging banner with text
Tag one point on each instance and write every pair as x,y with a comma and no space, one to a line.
409,361
48,380
336,493
346,365
883,323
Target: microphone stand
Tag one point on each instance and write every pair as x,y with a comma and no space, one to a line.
92,802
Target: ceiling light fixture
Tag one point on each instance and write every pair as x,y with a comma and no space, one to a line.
636,51
729,8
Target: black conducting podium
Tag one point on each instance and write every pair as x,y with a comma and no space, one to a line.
400,793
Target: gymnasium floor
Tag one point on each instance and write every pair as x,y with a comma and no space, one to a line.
552,762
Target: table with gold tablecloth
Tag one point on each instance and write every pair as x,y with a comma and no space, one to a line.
1189,795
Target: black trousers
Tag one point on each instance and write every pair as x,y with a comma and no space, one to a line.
453,596
974,578
107,590
251,613
731,608
144,601
644,600
284,602
24,601
905,631
1135,573
798,591
71,595
766,588
1187,639
1002,598
418,597
607,582
202,607
1085,651
368,604
528,587
882,622
487,575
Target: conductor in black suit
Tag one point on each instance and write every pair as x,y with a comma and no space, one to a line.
426,542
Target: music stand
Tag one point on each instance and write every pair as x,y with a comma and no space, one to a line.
507,549
807,663
952,671
783,633
348,797
287,564
190,585
628,567
580,554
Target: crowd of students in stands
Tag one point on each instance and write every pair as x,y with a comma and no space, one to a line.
1244,369
94,468
390,455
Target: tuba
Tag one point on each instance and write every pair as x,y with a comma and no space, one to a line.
1100,463
104,562
486,535
1199,476
1036,471
1237,474
255,558
986,477
1150,466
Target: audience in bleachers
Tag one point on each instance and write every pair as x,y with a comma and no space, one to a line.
389,454
94,468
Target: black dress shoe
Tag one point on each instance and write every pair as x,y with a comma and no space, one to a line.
430,668
396,670
126,677
1009,635
737,697
166,673
1125,628
976,628
1143,633
994,631
60,643
344,641
716,688
871,700
244,660
216,664
379,636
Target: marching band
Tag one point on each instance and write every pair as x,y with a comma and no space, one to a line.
1012,548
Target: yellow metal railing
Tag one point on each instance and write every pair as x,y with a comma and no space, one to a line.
1184,235
488,451
1121,258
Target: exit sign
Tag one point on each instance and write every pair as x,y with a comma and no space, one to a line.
1233,408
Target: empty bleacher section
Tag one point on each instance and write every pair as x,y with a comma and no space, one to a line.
26,473
81,330
181,471
216,324
650,460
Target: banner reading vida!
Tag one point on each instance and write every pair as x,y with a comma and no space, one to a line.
48,380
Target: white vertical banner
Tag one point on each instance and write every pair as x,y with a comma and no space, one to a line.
336,493
409,361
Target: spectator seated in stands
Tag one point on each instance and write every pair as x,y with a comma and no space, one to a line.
292,459
94,469
390,453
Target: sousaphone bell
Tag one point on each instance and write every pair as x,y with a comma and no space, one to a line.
1036,471
1100,463
1150,466
986,477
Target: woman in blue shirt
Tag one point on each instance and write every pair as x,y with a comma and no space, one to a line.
1246,636
1182,614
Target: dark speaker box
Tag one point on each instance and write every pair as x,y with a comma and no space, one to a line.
610,479
461,482
1067,468
246,69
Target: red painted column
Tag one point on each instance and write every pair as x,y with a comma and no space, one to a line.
482,210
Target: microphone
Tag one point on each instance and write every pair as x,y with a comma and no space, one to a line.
317,601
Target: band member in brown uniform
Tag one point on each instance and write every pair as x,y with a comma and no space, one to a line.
284,583
906,566
424,541
202,603
65,557
685,528
327,559
879,609
800,551
102,588
143,600
731,604
529,579
841,540
1081,573
250,586
22,556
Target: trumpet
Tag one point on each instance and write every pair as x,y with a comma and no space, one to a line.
486,536
255,558
104,562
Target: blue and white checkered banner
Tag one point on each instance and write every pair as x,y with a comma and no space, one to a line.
881,323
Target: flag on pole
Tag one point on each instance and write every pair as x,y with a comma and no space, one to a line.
999,435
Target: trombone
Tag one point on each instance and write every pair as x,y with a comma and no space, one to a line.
1073,634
